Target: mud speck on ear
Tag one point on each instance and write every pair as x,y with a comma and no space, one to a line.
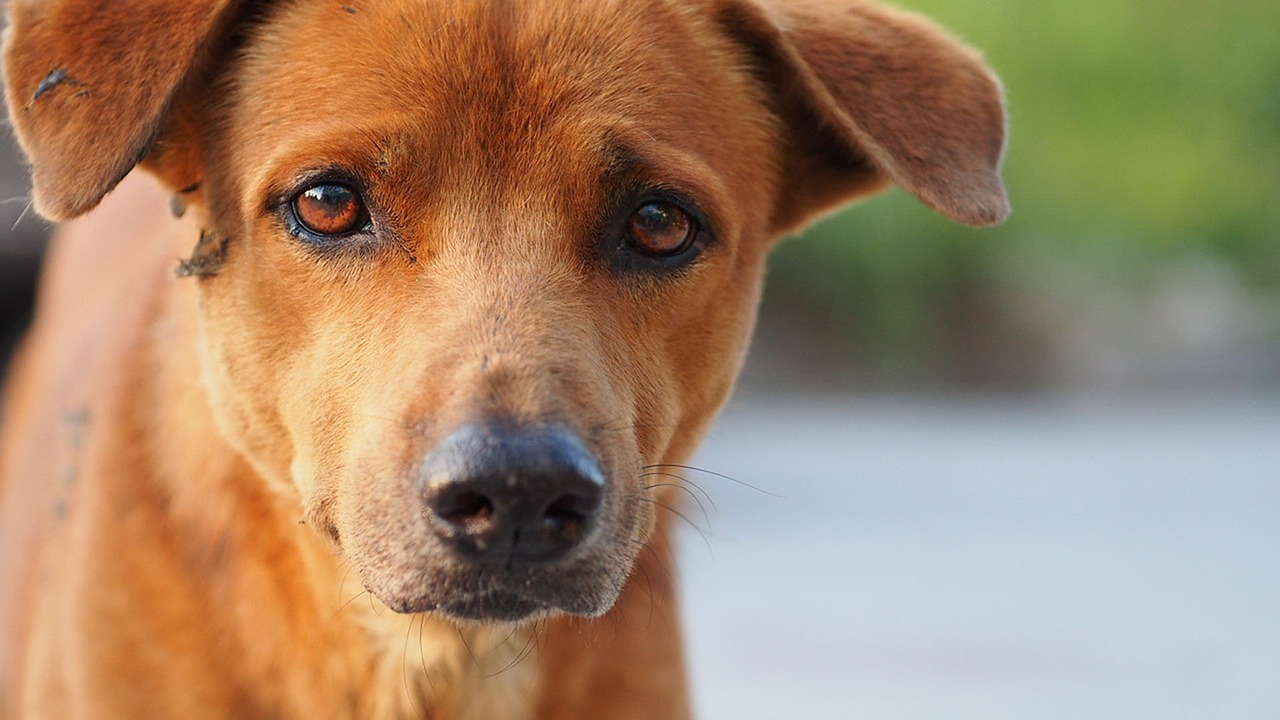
56,77
178,203
207,259
350,9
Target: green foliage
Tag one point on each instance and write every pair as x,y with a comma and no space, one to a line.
1142,132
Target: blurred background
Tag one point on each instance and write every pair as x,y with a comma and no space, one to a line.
1033,471
22,237
1021,472
1144,248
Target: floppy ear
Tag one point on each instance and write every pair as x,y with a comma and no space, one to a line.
89,82
869,94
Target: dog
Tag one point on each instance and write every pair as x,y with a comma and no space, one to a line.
364,394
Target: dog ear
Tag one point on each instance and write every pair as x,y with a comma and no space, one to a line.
89,82
869,94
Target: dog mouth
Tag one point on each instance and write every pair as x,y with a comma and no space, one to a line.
506,594
497,606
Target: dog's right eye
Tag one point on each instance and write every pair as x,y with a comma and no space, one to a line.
330,210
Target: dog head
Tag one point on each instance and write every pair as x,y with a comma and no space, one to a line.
467,269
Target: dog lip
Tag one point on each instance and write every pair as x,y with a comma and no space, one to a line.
496,605
493,594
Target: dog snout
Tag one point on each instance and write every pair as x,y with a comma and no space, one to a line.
503,494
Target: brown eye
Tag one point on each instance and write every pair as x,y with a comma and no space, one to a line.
661,228
330,209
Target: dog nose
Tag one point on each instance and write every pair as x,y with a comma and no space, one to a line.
509,494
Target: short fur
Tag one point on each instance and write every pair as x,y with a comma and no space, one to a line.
201,477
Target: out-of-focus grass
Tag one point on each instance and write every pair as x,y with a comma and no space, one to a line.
1143,133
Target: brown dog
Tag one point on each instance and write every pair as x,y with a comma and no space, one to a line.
461,276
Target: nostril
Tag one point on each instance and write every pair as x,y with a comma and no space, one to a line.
565,519
471,511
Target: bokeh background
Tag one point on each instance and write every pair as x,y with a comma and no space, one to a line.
1021,472
1144,167
1034,471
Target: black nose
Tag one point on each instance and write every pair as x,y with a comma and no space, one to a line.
509,494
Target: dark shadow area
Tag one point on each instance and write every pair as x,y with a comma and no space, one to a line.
22,240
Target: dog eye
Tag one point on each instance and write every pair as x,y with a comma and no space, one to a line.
330,210
662,229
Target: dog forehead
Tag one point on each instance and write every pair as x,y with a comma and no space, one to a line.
466,77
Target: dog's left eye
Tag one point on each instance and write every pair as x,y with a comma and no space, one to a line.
330,210
662,229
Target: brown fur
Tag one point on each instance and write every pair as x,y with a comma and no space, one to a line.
202,475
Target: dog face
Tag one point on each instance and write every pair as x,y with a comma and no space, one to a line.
535,256
469,270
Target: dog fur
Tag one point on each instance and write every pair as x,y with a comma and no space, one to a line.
211,484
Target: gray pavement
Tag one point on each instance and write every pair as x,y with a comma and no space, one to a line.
988,559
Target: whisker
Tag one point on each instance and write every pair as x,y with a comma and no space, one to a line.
345,574
617,617
684,481
404,671
25,209
519,658
463,637
705,540
505,640
531,647
706,518
657,557
713,473
648,581
426,671
344,605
